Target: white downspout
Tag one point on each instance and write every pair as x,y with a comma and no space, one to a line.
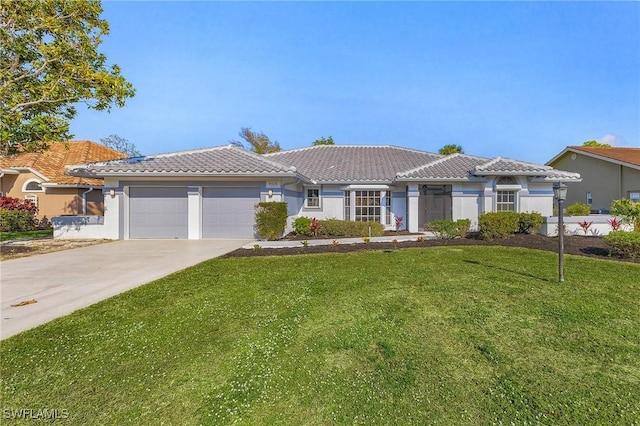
84,200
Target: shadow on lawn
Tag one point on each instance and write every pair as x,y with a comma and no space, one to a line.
524,274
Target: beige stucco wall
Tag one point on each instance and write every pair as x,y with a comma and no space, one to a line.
53,201
606,181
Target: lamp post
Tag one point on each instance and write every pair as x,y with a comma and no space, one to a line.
560,194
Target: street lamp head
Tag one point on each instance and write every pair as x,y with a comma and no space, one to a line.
560,191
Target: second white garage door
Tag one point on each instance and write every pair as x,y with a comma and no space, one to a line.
229,212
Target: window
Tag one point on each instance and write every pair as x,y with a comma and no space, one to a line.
32,198
32,186
347,205
368,206
313,198
506,201
589,198
634,196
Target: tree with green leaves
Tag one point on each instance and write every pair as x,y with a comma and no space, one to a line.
450,149
258,141
596,144
324,141
50,63
122,145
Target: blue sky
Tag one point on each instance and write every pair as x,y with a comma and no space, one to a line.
512,79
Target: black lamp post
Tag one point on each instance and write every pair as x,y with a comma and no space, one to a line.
560,194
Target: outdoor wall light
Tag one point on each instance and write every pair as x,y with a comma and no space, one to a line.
112,193
270,193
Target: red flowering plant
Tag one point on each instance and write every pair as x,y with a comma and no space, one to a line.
585,226
615,224
399,220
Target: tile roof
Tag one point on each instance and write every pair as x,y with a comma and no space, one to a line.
350,163
221,160
455,166
52,162
324,164
626,155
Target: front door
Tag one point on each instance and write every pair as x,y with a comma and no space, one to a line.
434,203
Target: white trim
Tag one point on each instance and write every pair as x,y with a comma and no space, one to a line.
35,172
28,181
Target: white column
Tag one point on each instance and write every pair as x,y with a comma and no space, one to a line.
112,205
413,193
194,201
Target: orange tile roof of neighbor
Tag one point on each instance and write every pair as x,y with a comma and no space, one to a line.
52,163
627,155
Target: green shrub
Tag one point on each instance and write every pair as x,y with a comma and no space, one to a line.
16,220
302,226
463,226
578,209
349,229
498,224
623,244
628,210
447,229
271,219
528,223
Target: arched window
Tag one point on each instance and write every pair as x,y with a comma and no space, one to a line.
506,180
32,185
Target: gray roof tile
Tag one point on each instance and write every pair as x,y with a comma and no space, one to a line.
456,166
221,160
349,163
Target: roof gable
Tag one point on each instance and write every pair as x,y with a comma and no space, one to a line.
353,163
455,166
51,164
629,157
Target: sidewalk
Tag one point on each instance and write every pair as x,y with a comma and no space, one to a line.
324,242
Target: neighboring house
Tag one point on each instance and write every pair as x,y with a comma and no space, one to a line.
607,174
212,193
40,177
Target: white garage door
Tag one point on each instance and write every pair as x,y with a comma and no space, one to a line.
229,212
158,213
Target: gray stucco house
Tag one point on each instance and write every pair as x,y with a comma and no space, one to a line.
608,173
211,193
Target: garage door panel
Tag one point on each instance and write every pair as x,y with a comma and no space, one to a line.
229,212
158,213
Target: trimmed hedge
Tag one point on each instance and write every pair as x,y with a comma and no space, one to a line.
623,244
337,228
16,220
271,219
505,224
447,229
498,224
578,209
528,223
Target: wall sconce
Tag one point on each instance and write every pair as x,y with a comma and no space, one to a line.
424,189
112,193
270,193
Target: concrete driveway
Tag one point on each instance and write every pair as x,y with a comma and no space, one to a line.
65,281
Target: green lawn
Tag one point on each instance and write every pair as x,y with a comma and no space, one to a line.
41,233
447,335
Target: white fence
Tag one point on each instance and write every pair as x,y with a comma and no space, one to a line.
600,225
78,227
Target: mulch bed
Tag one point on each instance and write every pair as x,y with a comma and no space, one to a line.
573,244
